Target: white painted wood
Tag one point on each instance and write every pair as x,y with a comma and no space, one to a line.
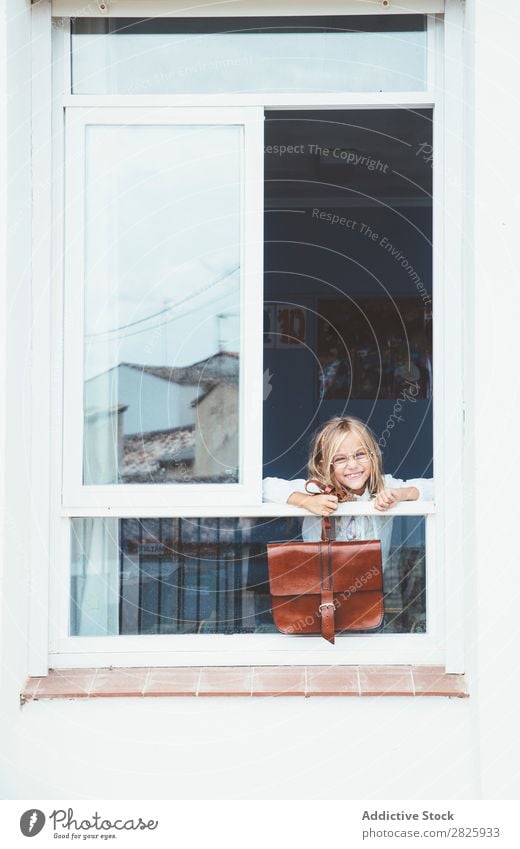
59,554
181,8
74,263
435,617
59,603
448,287
217,509
4,558
432,40
62,55
246,649
40,414
335,100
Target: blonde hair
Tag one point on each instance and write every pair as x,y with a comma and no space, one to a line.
325,446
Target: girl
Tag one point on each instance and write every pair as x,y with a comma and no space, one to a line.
346,460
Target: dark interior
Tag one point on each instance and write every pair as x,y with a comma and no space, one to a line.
348,282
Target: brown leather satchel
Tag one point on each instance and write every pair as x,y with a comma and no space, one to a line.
325,587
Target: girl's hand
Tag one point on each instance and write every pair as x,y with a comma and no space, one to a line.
390,497
320,505
387,498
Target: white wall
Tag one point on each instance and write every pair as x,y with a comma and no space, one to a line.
222,748
3,277
388,748
15,306
493,413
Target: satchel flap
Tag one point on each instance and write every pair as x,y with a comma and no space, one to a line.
295,568
300,615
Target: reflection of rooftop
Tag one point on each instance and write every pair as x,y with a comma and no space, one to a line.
98,412
147,456
164,456
221,366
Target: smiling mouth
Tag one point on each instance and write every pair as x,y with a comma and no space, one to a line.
355,475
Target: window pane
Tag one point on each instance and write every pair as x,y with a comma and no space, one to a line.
175,56
209,576
348,283
162,302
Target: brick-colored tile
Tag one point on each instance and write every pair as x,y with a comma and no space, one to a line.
31,687
119,682
177,681
225,681
65,683
279,681
332,681
244,681
434,681
386,681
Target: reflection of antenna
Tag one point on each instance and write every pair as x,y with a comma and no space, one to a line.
171,308
221,316
167,306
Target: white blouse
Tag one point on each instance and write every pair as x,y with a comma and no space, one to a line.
278,490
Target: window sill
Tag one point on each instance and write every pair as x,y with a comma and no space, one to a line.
303,681
265,509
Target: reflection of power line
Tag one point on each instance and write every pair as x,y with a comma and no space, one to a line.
166,309
162,323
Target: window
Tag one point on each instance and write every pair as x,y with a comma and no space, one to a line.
209,575
282,54
161,536
160,220
165,244
348,282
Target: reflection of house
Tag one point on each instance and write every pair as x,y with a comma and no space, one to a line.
158,397
103,449
216,432
173,423
155,397
162,455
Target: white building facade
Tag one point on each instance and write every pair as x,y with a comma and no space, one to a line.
152,217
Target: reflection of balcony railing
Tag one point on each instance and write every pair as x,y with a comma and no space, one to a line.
185,576
192,576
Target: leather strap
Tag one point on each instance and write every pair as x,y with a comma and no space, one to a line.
327,489
325,529
326,586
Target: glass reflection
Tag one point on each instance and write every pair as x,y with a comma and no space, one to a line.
162,323
244,55
209,576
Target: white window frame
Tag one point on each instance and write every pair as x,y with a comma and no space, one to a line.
49,611
77,495
179,8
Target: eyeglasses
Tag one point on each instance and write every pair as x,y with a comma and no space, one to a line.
360,456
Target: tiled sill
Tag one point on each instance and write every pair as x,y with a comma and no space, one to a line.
246,681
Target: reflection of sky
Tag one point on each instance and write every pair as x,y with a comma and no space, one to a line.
318,61
162,244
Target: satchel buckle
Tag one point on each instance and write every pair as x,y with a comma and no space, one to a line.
326,604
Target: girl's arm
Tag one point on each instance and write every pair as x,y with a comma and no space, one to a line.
293,492
279,489
396,490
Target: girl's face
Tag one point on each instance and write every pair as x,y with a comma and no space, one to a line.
352,464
